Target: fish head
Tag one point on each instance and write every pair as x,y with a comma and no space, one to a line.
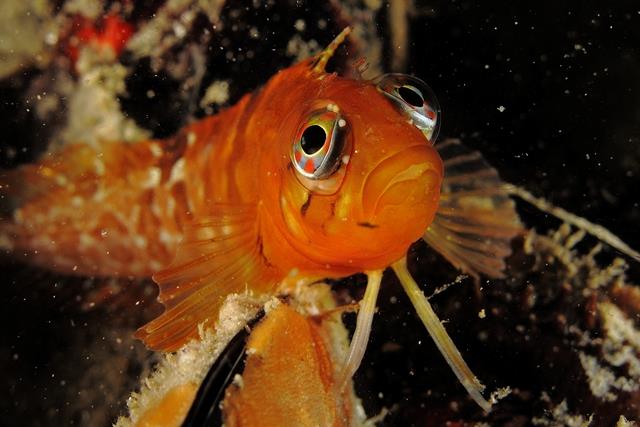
356,176
358,179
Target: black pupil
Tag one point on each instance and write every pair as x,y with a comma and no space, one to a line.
410,96
313,139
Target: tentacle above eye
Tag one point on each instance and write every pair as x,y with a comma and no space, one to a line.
363,327
440,336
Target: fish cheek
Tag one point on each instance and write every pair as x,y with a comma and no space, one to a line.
294,205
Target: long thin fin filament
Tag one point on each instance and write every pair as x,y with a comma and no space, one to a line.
439,335
597,231
323,57
363,327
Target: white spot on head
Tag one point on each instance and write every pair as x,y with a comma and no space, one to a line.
191,138
333,107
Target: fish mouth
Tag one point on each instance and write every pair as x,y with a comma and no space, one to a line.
408,179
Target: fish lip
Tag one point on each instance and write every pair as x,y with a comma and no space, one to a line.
424,165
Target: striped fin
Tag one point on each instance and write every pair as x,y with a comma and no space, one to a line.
219,255
476,219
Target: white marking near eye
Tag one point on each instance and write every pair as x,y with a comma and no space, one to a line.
140,241
99,195
86,241
152,179
61,180
18,216
191,138
155,265
155,210
167,238
99,167
177,171
227,230
171,205
134,216
345,159
155,150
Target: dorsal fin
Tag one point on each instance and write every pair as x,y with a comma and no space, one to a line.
320,62
218,256
476,219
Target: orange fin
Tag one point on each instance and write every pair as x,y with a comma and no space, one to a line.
476,219
218,256
78,170
54,172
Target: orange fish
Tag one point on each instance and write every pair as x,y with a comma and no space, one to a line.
313,176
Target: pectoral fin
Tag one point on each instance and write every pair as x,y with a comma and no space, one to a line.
476,219
440,336
219,256
361,335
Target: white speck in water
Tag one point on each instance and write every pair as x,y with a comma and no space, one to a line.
501,108
300,25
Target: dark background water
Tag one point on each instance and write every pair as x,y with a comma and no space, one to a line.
567,76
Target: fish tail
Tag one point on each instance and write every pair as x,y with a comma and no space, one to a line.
55,171
21,187
87,209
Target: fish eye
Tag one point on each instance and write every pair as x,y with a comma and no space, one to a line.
415,99
313,139
411,95
319,143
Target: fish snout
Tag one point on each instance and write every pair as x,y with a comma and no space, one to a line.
403,187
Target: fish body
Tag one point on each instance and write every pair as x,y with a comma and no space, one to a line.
312,176
225,187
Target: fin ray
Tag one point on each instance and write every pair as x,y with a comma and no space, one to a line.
219,255
440,336
363,328
476,219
